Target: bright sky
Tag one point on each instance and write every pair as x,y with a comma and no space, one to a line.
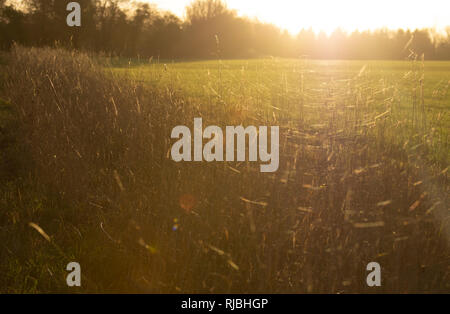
326,15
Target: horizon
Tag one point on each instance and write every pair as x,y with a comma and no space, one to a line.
294,16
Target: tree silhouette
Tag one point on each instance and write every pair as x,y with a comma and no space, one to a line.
210,30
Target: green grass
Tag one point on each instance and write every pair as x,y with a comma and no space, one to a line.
202,79
285,84
363,176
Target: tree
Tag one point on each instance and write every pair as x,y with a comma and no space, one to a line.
206,10
210,30
12,24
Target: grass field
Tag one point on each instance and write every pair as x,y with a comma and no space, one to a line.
314,86
363,176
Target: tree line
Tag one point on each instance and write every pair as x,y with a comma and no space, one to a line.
209,30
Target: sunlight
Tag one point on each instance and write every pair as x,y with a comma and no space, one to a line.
327,15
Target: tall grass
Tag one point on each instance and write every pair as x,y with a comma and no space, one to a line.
350,190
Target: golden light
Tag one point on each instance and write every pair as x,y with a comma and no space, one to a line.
327,15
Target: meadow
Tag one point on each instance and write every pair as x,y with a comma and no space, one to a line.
363,175
312,88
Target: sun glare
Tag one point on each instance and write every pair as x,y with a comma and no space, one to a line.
328,15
